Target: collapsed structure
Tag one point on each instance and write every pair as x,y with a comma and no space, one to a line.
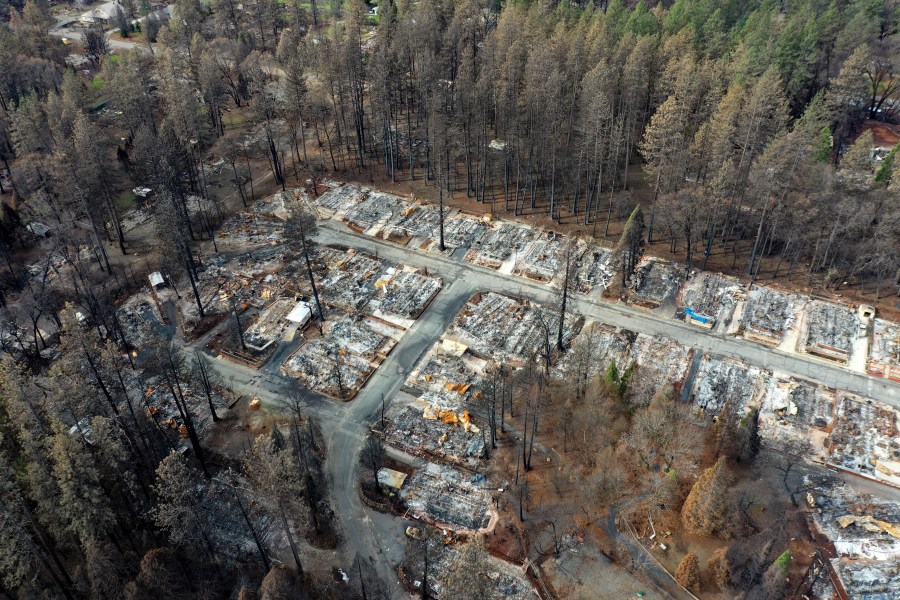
708,298
656,282
884,357
829,331
865,537
767,315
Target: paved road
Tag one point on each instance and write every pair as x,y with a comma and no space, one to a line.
373,536
635,319
345,425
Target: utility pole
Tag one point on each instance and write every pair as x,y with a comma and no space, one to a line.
237,318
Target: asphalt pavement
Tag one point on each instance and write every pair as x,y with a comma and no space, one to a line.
378,538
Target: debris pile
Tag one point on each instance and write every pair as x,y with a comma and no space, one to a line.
708,299
661,360
416,221
721,382
402,294
269,325
159,402
767,315
339,363
461,230
594,270
508,582
338,200
376,209
443,495
865,439
544,258
884,357
656,282
794,409
137,317
425,427
499,244
866,537
350,281
830,331
508,329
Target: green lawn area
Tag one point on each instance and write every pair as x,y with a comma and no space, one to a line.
125,201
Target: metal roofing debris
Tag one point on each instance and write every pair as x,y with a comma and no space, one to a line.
156,279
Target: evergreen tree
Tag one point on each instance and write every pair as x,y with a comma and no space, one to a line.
705,510
688,573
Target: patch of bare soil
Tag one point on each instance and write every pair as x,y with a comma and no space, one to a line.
235,433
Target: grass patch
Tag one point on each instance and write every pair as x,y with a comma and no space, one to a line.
234,120
126,201
113,58
784,561
97,83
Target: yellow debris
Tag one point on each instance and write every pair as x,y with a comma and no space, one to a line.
870,524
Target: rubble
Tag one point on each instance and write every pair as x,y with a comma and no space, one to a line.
656,282
865,439
507,329
829,331
339,199
427,428
594,270
446,496
250,228
793,409
708,298
502,242
508,582
720,381
661,360
137,316
339,363
376,209
462,230
159,402
595,347
402,294
544,259
767,315
350,281
884,355
865,533
416,221
269,325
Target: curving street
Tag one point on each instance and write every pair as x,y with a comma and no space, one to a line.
377,538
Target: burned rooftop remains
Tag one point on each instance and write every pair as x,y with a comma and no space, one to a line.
708,299
656,282
507,329
884,356
448,497
830,331
767,315
501,243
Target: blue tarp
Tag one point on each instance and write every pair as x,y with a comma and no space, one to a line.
696,317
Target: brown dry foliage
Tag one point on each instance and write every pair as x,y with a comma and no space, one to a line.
688,573
705,510
718,569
